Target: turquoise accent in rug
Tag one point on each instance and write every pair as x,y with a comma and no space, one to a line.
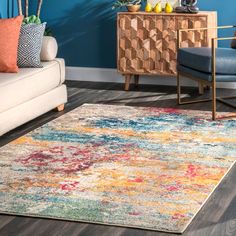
149,168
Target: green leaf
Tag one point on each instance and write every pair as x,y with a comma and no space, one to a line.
48,32
32,20
26,20
37,20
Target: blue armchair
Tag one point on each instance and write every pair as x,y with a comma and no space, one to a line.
207,66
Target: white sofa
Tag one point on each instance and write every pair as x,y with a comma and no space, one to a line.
31,93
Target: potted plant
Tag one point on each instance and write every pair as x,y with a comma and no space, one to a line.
19,3
131,5
33,18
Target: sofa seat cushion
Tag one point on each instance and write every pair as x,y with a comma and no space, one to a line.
29,83
201,59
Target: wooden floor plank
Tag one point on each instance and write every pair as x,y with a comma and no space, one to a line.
218,216
4,220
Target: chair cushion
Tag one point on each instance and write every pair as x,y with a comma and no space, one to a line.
29,83
206,76
201,58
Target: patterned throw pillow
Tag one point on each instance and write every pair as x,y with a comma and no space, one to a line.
30,44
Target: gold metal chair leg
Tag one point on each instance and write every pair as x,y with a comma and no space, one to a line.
179,94
213,98
213,101
178,89
213,51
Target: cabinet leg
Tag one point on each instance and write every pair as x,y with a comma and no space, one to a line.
136,80
201,88
127,82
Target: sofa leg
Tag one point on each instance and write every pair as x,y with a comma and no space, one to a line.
61,107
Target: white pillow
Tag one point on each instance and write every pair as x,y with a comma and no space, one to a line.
49,49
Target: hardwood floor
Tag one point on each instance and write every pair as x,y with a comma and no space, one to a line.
217,217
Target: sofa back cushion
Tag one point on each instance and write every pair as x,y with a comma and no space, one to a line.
9,37
30,44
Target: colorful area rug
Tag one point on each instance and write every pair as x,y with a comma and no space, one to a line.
147,168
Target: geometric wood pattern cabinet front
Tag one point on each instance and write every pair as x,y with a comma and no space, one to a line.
147,42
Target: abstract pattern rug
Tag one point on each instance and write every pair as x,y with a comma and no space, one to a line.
150,168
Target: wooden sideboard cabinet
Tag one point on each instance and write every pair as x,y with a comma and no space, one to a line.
147,42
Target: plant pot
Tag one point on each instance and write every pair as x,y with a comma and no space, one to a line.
133,8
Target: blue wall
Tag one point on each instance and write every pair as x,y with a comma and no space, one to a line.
86,29
3,9
8,10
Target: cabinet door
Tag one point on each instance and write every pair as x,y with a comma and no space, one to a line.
169,39
139,44
193,38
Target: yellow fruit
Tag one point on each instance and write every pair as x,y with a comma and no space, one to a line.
148,7
168,8
158,8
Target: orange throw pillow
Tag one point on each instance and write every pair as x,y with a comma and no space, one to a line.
9,37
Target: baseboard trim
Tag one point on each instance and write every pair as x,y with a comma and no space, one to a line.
111,75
